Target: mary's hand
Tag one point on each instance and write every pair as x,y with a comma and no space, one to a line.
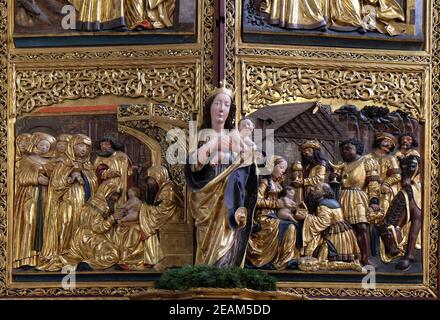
240,217
76,176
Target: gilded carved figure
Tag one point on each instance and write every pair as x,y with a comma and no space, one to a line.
113,164
384,16
72,183
298,14
400,229
60,148
22,145
360,192
405,207
389,171
31,198
272,243
407,146
92,246
327,237
314,166
97,15
137,240
222,189
22,149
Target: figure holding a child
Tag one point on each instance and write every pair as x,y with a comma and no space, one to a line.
136,234
272,243
222,185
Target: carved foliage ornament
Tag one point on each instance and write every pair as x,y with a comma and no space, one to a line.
99,55
162,84
268,84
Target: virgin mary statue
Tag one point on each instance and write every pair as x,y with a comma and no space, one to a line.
222,194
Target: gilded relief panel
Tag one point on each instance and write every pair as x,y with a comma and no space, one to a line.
350,138
318,99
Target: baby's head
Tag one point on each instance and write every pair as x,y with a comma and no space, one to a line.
246,127
288,192
134,192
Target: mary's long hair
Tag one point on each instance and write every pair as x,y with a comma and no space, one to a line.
206,122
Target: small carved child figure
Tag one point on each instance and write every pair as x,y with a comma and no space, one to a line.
242,140
246,127
287,196
132,206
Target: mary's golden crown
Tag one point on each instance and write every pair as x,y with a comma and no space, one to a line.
222,89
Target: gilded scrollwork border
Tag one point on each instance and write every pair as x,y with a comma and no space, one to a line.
171,81
3,144
434,255
269,81
197,57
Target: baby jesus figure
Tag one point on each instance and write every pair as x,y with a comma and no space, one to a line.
131,208
242,143
289,209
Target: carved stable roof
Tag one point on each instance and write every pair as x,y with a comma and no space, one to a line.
299,121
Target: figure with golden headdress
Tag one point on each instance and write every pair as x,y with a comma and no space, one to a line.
31,200
272,244
313,165
389,172
222,192
360,191
408,148
61,146
72,184
92,246
138,239
407,144
59,153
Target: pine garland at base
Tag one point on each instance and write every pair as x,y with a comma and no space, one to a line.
203,276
